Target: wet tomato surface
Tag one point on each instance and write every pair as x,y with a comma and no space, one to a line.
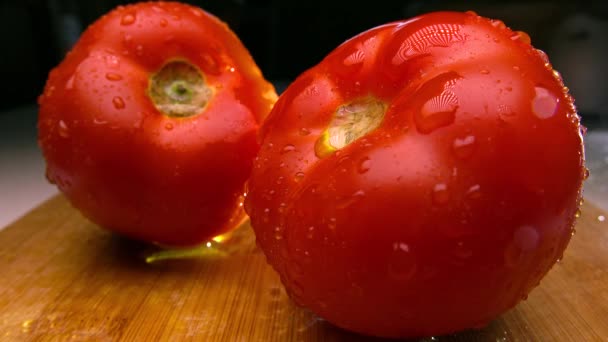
420,180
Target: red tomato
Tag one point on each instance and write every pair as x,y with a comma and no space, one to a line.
149,124
421,179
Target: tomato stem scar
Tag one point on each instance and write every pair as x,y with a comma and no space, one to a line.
178,89
351,121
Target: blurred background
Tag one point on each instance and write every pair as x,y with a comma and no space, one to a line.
285,38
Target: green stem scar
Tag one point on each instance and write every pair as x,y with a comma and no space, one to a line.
178,89
351,121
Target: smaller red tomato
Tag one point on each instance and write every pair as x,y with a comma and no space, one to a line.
421,179
149,124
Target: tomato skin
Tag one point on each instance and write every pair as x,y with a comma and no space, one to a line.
447,214
127,166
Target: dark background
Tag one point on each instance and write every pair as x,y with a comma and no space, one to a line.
287,37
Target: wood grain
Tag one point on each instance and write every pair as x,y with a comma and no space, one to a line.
62,278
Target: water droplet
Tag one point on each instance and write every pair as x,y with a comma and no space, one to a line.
583,130
558,76
521,36
601,218
525,239
332,223
304,131
421,41
168,126
97,121
278,233
163,22
197,12
70,83
499,24
402,264
440,108
139,50
310,232
464,147
113,77
544,103
63,129
586,173
474,192
355,58
577,214
364,165
441,194
288,148
111,61
348,201
266,215
298,176
280,180
484,71
118,102
127,19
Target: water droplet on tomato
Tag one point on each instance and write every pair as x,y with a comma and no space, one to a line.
280,180
111,61
464,147
70,83
402,264
163,22
310,232
332,223
127,19
525,239
113,77
288,148
484,71
278,232
499,24
168,126
577,214
344,203
441,194
426,38
63,130
474,192
139,50
197,12
99,122
544,104
364,165
266,215
586,173
304,131
601,218
298,176
557,76
521,36
583,130
118,102
439,110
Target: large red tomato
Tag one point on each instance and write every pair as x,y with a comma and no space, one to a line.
149,124
421,179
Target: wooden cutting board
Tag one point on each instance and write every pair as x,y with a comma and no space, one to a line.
62,278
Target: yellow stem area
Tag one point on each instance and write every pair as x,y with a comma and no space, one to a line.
178,89
351,121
